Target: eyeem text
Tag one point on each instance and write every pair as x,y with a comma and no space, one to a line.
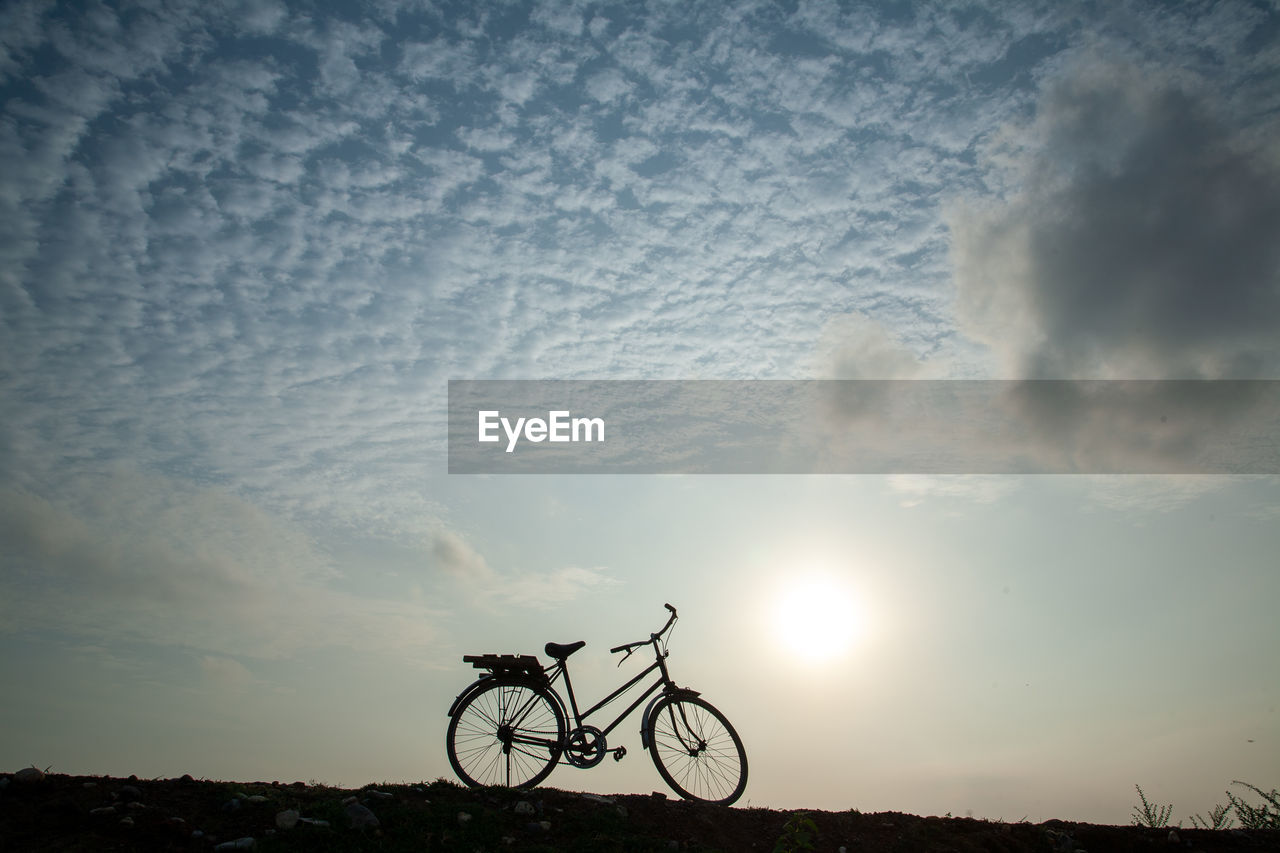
557,427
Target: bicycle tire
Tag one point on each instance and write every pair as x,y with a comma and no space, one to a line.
508,734
696,750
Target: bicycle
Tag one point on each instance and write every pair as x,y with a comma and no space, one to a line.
510,727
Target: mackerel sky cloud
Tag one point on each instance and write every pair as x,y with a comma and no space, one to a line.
245,245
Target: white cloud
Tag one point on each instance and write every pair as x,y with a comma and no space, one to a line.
915,489
147,558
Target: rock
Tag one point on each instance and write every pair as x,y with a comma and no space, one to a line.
380,795
1173,837
129,794
360,816
246,843
596,798
349,800
88,785
135,806
256,798
310,821
287,819
126,821
186,777
28,775
105,810
658,795
463,818
525,807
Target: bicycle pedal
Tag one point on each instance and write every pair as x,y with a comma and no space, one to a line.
619,753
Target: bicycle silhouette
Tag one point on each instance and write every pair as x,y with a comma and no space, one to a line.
510,727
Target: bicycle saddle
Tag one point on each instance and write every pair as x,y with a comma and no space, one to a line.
560,651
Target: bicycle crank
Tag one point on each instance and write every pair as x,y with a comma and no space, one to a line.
585,747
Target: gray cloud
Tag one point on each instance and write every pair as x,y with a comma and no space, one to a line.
1142,242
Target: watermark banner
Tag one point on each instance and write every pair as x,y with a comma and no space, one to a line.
864,427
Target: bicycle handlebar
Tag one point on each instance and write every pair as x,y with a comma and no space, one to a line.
653,638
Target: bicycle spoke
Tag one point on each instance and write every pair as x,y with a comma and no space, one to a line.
506,734
697,752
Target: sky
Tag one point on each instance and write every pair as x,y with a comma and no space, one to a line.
244,246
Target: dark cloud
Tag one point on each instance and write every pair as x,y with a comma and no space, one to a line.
1144,241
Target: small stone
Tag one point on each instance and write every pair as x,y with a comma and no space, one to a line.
622,811
360,816
246,843
257,798
381,795
287,819
463,818
508,840
545,824
135,806
29,774
129,794
596,798
126,821
310,821
186,777
88,785
105,810
349,800
658,795
525,807
1173,837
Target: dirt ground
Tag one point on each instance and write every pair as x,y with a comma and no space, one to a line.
92,813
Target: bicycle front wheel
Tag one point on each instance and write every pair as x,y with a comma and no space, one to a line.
696,750
507,734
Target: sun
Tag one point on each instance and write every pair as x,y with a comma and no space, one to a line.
817,617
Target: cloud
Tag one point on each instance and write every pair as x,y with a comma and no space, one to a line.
512,587
1140,243
551,588
915,489
455,556
857,347
147,558
225,673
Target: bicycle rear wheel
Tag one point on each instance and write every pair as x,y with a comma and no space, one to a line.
507,734
696,750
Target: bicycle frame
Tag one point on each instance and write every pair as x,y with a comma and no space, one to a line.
560,668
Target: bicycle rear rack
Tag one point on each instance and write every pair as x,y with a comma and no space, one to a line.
526,665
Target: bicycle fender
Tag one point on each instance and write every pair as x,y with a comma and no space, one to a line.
646,725
485,680
471,688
